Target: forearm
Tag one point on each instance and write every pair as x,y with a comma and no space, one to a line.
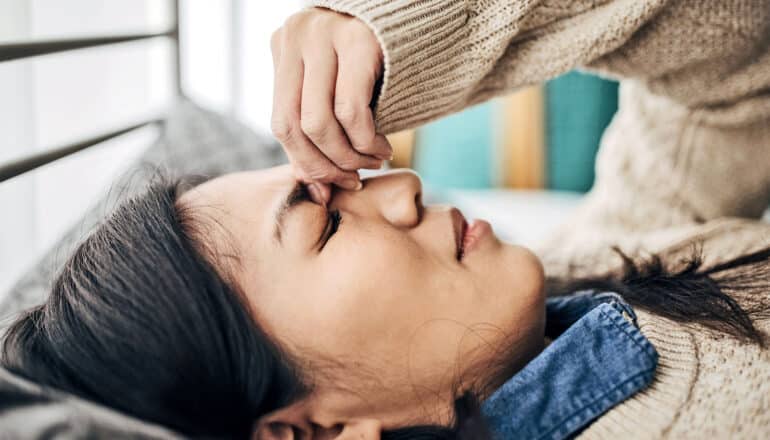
689,145
444,55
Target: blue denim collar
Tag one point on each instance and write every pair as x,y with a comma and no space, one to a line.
598,359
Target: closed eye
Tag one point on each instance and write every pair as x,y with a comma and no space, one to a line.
333,223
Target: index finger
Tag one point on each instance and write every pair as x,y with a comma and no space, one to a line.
353,93
311,162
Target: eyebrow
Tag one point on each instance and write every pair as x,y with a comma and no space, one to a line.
294,197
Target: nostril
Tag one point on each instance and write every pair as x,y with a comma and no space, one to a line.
418,205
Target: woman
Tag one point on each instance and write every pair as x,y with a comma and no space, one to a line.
192,310
238,307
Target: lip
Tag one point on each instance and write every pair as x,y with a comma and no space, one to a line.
474,234
459,227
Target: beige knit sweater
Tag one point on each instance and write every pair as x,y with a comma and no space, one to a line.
688,149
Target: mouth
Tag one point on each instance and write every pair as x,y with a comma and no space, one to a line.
468,237
460,227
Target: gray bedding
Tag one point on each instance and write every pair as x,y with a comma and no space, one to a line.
194,141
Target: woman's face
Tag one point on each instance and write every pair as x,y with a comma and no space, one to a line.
378,309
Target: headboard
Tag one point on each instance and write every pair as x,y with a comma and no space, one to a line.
187,139
16,51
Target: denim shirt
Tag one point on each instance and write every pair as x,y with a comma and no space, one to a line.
598,359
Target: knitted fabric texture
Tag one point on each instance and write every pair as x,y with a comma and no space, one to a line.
688,149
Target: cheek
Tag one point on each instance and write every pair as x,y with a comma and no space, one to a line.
370,291
375,273
381,253
362,297
517,298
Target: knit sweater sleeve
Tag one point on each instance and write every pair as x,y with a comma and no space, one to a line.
444,55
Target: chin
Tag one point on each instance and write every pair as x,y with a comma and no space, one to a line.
524,278
525,263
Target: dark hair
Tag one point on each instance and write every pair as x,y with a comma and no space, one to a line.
691,293
140,320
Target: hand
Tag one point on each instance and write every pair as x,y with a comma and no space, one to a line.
326,65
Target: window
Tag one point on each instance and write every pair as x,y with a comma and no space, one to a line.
56,99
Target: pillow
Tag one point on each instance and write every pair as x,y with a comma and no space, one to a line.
193,141
29,411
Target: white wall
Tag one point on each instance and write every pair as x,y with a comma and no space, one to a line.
259,22
52,100
209,58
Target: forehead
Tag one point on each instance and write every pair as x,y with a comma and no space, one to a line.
238,208
229,191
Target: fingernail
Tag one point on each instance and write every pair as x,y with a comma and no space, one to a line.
315,193
352,184
386,156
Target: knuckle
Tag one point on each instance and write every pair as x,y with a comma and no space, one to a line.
346,113
282,128
317,22
294,20
314,126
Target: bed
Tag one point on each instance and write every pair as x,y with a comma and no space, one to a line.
193,140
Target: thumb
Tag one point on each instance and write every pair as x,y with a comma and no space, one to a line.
320,192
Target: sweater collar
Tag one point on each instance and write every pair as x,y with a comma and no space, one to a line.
598,359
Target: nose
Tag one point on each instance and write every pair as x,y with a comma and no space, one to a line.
395,196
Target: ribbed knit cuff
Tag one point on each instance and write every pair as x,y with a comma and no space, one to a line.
419,41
